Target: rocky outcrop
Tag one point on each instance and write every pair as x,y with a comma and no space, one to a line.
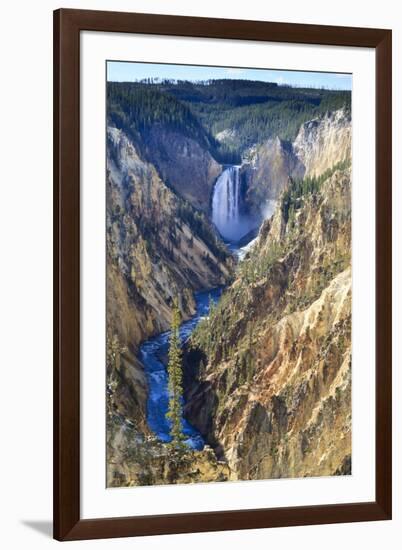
184,164
273,361
134,459
266,174
323,142
320,144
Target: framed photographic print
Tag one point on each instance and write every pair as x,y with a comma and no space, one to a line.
222,277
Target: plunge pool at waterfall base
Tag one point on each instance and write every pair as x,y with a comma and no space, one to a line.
150,355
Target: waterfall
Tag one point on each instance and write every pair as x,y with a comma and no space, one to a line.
226,205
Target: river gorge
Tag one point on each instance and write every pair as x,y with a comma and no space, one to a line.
152,354
264,241
232,226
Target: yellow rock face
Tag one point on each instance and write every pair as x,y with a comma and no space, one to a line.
272,388
322,143
274,397
154,252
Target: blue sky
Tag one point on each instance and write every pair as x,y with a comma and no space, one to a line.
123,71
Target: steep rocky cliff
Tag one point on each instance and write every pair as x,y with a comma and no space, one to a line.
320,144
184,164
167,135
272,361
323,142
157,247
266,174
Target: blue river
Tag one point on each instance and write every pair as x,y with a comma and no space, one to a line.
150,355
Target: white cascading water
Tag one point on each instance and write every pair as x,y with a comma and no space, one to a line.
226,205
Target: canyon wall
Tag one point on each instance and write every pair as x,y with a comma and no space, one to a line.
183,164
320,144
267,375
266,173
157,247
273,360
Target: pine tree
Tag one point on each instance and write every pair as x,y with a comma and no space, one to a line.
175,385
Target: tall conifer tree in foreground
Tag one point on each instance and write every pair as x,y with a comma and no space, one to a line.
175,386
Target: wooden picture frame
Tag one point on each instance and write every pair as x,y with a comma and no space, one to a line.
68,524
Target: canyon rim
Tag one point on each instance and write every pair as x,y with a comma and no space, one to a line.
228,267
